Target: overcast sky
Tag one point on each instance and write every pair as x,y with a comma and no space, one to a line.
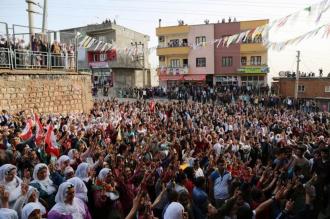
143,16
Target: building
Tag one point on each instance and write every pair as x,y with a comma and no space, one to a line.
243,64
117,66
316,88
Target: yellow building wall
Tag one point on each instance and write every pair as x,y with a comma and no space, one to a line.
163,31
245,25
173,51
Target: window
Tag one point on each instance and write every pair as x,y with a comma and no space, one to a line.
185,63
200,62
255,60
201,40
162,58
243,60
102,38
327,89
175,63
301,88
161,39
184,42
227,61
103,57
96,57
174,43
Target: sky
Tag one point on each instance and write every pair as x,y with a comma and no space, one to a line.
143,15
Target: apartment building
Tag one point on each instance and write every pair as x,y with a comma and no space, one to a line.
186,55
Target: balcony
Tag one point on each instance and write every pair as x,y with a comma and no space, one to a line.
254,69
252,48
181,49
183,70
163,31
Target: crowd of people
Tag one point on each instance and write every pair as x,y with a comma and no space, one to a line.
37,53
171,159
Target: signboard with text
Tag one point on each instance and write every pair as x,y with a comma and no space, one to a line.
254,69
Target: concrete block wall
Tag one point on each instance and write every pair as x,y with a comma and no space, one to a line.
45,92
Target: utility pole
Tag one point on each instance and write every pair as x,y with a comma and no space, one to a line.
30,13
297,76
44,16
143,63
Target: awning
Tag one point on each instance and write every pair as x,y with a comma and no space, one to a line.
194,77
170,77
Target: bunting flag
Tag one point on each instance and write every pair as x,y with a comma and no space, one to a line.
39,130
324,6
87,42
326,33
27,131
51,143
104,46
97,45
283,21
219,41
224,41
89,45
241,37
83,41
231,39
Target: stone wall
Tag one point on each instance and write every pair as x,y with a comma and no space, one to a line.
46,92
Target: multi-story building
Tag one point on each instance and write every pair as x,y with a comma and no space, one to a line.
116,66
186,54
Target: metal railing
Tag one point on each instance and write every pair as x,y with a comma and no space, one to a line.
27,59
5,58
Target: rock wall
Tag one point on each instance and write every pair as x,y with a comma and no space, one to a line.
45,92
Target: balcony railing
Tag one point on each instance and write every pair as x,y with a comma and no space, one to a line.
27,59
170,70
172,45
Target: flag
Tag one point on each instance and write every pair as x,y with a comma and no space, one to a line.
240,37
283,21
27,131
90,43
97,46
83,41
87,42
39,130
152,106
50,140
308,9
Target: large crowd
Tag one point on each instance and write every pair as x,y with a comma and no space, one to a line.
238,159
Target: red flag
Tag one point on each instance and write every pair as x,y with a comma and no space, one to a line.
152,106
39,130
27,131
50,140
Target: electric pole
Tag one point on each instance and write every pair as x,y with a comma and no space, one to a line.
30,13
44,17
297,76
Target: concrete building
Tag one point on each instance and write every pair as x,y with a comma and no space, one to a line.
115,67
316,88
243,64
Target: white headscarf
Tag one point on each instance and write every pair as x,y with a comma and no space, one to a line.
19,204
82,171
71,153
77,209
8,213
103,173
14,186
30,207
62,159
47,184
80,188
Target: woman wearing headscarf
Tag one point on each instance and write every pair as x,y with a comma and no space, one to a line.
5,211
105,199
32,210
80,188
11,182
44,185
32,196
84,172
74,158
67,206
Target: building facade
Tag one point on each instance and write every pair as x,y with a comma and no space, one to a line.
186,55
114,67
316,88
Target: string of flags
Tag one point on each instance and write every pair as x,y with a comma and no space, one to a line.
258,34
